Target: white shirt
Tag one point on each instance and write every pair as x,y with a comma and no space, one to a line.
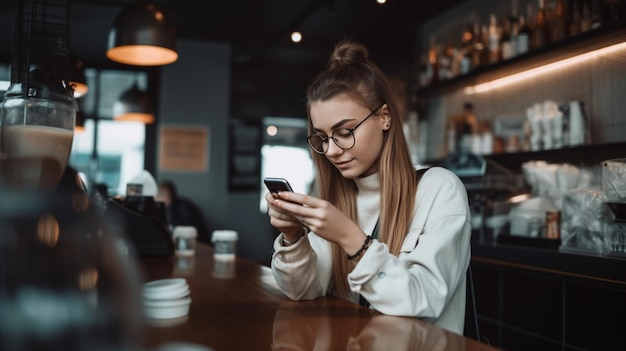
426,280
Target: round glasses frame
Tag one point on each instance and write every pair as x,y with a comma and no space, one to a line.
342,137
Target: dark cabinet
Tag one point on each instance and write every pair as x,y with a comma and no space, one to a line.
530,299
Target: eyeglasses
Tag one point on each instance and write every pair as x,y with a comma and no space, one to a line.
343,137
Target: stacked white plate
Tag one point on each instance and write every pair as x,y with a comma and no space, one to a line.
166,298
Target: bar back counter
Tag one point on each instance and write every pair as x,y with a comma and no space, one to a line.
533,295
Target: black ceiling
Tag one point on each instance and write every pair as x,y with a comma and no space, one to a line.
258,30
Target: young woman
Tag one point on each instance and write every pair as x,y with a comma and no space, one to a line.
373,235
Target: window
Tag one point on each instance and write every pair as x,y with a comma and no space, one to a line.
106,151
285,154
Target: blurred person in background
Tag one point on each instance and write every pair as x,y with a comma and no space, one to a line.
182,211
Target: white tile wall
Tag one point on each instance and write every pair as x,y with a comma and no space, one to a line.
600,83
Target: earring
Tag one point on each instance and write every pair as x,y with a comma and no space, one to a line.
387,125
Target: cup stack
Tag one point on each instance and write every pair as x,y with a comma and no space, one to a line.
166,298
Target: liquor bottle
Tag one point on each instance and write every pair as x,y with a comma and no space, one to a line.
596,18
523,36
530,22
446,57
433,60
494,40
425,71
558,22
507,48
515,26
467,50
576,17
480,48
585,21
540,31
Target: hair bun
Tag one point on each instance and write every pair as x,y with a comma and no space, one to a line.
348,53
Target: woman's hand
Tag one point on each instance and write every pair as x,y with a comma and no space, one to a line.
291,211
289,225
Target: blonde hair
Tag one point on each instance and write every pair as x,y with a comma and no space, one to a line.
350,72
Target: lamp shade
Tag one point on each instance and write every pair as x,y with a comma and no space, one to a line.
134,105
142,36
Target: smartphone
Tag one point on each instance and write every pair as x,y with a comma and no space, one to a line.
276,185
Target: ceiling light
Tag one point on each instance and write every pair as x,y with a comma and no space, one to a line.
134,105
296,36
142,36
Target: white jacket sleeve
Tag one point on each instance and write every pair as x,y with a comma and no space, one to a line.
302,270
430,271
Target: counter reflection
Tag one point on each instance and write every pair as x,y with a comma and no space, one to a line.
300,326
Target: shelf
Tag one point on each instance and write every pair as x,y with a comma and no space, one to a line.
598,268
576,155
595,39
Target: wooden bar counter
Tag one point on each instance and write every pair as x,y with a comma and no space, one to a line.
237,306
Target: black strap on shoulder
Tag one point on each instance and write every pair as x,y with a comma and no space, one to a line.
419,173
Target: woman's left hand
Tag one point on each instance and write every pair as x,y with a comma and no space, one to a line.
323,218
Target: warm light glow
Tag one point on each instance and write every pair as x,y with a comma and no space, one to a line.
534,72
271,130
519,198
135,117
79,129
87,279
296,36
48,230
80,89
142,55
381,1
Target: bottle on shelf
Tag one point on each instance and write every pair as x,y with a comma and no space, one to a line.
446,56
540,30
575,19
479,52
596,18
585,20
433,60
530,22
494,40
507,45
466,51
523,37
425,71
558,23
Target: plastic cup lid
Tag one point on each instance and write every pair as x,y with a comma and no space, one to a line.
187,232
227,235
164,286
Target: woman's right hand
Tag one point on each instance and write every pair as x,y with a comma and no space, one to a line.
289,225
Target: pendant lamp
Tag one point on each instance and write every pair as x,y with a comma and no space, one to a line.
142,36
134,105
